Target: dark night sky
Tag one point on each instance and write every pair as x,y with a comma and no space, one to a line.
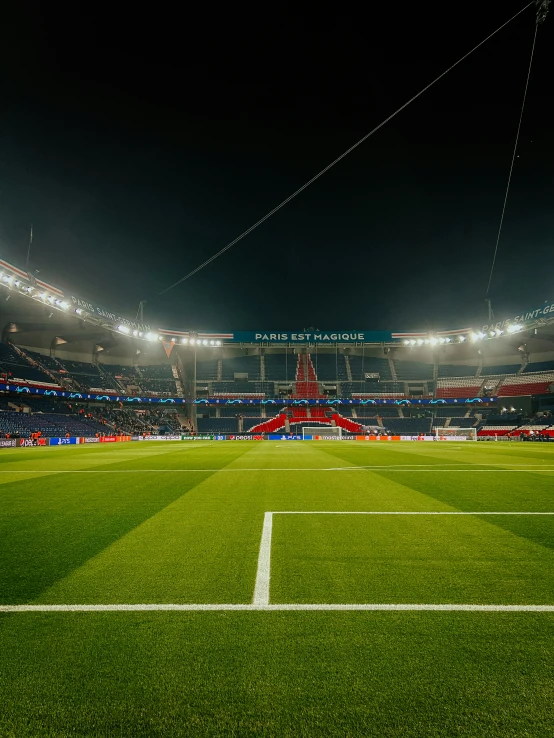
140,145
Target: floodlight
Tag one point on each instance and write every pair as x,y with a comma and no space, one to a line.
123,329
212,343
434,341
218,343
420,342
462,339
184,340
205,343
406,342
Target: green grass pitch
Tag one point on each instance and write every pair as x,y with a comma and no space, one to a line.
252,611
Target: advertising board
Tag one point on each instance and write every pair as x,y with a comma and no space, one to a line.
33,442
156,438
379,438
64,441
197,438
8,442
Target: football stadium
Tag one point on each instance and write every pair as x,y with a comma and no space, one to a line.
257,527
273,533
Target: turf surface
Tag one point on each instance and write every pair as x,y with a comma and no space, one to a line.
181,523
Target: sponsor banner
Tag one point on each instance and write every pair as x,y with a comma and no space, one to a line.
290,437
155,438
64,441
30,442
8,442
378,438
322,438
90,439
108,439
245,437
202,438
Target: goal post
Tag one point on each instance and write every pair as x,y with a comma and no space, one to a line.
321,433
467,434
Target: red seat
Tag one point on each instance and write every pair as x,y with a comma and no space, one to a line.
527,388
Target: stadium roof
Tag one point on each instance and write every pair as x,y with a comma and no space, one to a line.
43,315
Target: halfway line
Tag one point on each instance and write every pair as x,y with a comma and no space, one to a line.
525,468
273,608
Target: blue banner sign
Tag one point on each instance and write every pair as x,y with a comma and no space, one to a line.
63,441
208,402
128,399
309,336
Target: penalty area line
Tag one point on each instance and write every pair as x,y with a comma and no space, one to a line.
399,512
263,575
254,607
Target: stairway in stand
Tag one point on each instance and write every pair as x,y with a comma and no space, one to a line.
306,388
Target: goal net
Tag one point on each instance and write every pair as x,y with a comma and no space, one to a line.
459,434
321,433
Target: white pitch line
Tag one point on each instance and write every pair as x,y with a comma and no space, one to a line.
263,575
399,512
411,469
274,608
